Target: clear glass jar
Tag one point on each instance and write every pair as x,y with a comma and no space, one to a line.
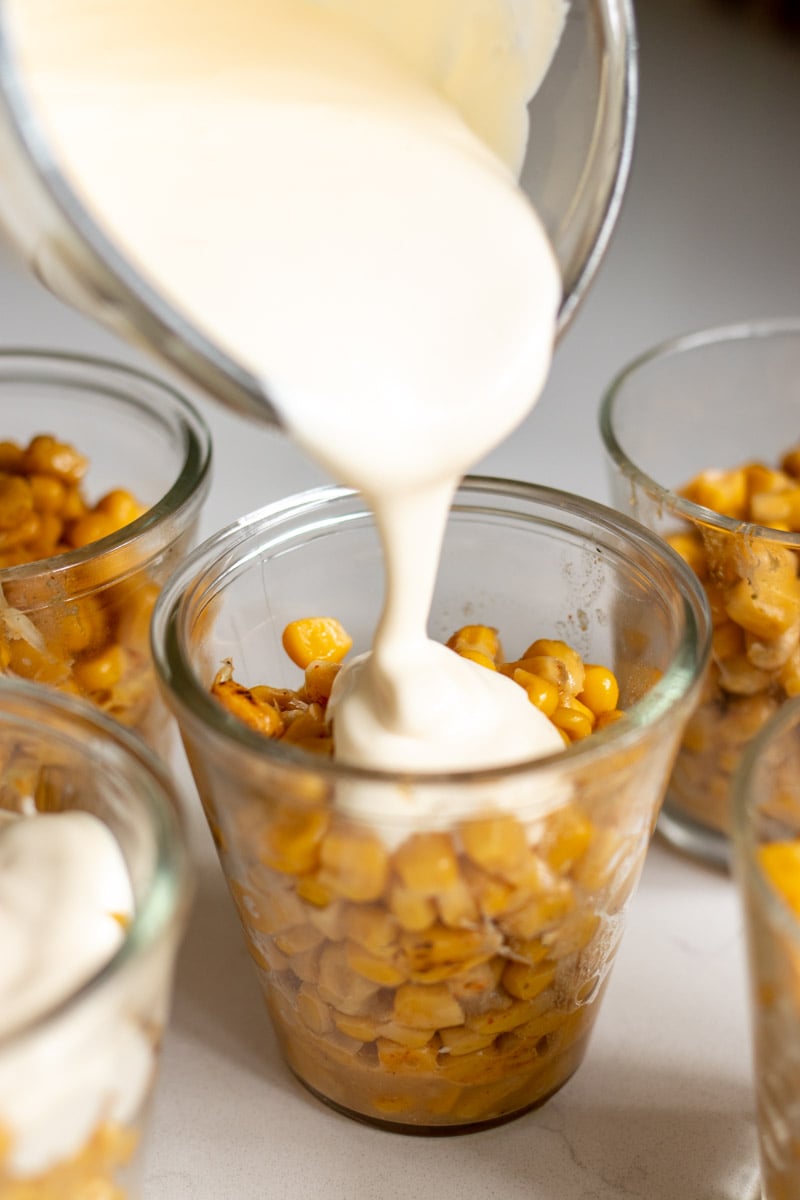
439,972
575,172
766,841
716,399
79,620
75,1081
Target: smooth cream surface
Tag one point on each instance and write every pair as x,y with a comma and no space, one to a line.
65,895
327,188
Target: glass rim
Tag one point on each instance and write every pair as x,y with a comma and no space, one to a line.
697,514
197,574
192,478
167,897
743,800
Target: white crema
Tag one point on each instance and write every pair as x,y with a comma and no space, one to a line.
327,189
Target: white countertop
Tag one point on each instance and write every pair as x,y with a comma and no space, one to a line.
661,1108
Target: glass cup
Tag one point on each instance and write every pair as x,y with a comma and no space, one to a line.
766,840
439,972
75,1079
719,398
575,172
79,620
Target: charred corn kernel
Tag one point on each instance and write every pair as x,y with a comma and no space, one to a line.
427,863
426,1006
442,946
241,703
120,507
16,501
102,671
312,638
724,492
525,982
571,721
412,911
44,455
291,842
542,692
355,864
600,689
567,836
302,726
313,1011
495,842
482,660
553,648
780,862
477,639
460,1040
691,549
319,678
380,970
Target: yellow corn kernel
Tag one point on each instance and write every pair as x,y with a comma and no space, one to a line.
552,648
339,986
567,836
48,493
427,863
133,622
773,653
76,627
16,501
426,1006
538,915
313,1011
571,721
575,932
10,457
304,726
456,905
777,510
355,864
780,862
311,638
90,528
526,982
461,1040
499,1020
609,718
319,678
404,1035
40,665
475,656
478,639
493,895
765,606
789,675
494,843
542,692
790,463
44,455
311,889
291,842
299,939
120,506
378,970
372,927
691,549
74,505
600,689
723,492
477,981
102,671
407,1059
412,911
361,1028
727,639
738,676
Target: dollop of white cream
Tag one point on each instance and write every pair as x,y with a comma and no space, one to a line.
65,896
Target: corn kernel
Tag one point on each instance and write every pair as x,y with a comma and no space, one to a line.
542,692
291,842
494,843
600,689
426,863
355,864
426,1006
102,671
478,639
552,648
526,982
313,638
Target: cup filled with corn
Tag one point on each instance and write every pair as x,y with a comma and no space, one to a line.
434,965
766,843
103,471
703,443
95,885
